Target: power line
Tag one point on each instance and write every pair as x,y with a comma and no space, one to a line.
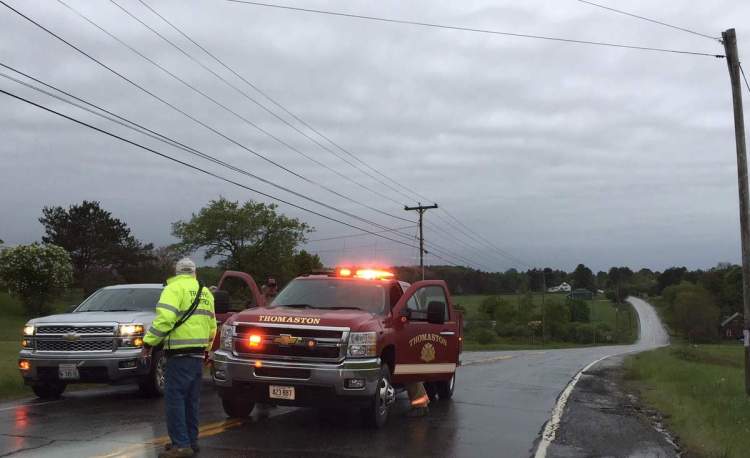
198,169
348,236
216,102
157,136
651,20
256,102
287,111
742,70
469,29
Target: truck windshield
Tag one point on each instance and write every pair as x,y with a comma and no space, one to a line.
121,300
370,296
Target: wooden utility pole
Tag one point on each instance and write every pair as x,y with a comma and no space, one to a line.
544,291
733,63
421,209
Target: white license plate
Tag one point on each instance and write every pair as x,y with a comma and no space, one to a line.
281,392
68,372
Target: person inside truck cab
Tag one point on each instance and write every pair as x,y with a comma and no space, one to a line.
270,289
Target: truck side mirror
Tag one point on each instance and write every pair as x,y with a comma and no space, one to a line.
221,301
436,312
404,315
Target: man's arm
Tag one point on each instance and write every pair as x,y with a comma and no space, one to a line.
167,313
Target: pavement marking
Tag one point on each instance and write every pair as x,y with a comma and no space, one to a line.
207,430
550,429
488,360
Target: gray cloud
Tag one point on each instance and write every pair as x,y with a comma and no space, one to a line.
557,153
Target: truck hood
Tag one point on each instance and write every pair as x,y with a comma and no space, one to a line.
96,317
356,320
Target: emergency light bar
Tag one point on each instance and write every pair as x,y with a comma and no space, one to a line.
367,274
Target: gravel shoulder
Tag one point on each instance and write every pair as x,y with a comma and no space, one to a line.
602,419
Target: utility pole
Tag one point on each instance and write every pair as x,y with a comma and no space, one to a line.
733,63
421,209
544,291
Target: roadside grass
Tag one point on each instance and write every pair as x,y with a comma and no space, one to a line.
700,391
11,326
504,344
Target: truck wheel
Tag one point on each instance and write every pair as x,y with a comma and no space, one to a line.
154,383
376,415
445,388
237,408
432,390
48,390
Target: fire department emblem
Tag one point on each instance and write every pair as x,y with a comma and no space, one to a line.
428,353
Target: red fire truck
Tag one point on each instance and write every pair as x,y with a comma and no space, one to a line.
351,337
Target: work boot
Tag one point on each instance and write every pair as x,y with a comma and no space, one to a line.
177,452
416,412
170,446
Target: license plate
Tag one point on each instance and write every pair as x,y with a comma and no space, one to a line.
68,372
281,392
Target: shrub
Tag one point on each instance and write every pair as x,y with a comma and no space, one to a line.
483,336
35,274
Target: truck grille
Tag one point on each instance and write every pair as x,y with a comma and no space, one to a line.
75,329
75,337
80,345
327,344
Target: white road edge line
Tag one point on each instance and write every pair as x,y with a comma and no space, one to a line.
550,429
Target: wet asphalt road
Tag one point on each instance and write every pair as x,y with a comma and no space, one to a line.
500,406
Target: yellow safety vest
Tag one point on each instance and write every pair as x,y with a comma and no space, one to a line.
176,298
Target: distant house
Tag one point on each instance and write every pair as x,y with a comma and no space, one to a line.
561,288
581,294
731,327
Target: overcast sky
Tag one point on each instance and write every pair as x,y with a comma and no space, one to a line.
557,153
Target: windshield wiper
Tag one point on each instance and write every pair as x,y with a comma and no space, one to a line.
298,306
340,308
117,310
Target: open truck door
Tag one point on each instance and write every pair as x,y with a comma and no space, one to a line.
224,306
428,338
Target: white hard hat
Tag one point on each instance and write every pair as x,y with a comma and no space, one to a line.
185,266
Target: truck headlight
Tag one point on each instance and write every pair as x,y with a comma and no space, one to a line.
362,344
28,330
226,337
131,329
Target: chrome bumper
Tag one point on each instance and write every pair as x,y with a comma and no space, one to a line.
99,367
233,373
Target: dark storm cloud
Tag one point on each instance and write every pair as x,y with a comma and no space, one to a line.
557,153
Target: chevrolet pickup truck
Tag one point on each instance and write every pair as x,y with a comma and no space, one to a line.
100,340
350,337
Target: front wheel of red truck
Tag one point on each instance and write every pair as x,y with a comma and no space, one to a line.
376,415
445,388
237,408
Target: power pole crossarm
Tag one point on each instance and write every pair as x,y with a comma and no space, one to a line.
421,209
733,63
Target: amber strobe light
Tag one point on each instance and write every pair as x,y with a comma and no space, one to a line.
344,272
254,340
24,365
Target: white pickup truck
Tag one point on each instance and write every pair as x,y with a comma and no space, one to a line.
100,340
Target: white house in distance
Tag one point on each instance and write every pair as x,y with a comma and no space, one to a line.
561,288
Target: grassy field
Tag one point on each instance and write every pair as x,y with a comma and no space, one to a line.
700,390
602,311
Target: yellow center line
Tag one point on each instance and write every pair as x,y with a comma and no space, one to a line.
488,360
207,430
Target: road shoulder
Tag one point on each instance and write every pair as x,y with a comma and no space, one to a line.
602,419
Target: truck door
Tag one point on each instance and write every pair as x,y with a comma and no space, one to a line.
427,344
226,307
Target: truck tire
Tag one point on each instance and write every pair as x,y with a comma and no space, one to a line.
445,388
48,390
237,408
376,415
153,384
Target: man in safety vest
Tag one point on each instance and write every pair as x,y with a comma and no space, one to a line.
185,326
418,399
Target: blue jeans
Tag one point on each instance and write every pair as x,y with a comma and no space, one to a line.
182,398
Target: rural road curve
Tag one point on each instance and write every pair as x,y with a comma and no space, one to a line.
501,404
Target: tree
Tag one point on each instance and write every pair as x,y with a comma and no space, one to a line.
671,276
251,237
35,274
584,278
696,314
101,246
618,280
